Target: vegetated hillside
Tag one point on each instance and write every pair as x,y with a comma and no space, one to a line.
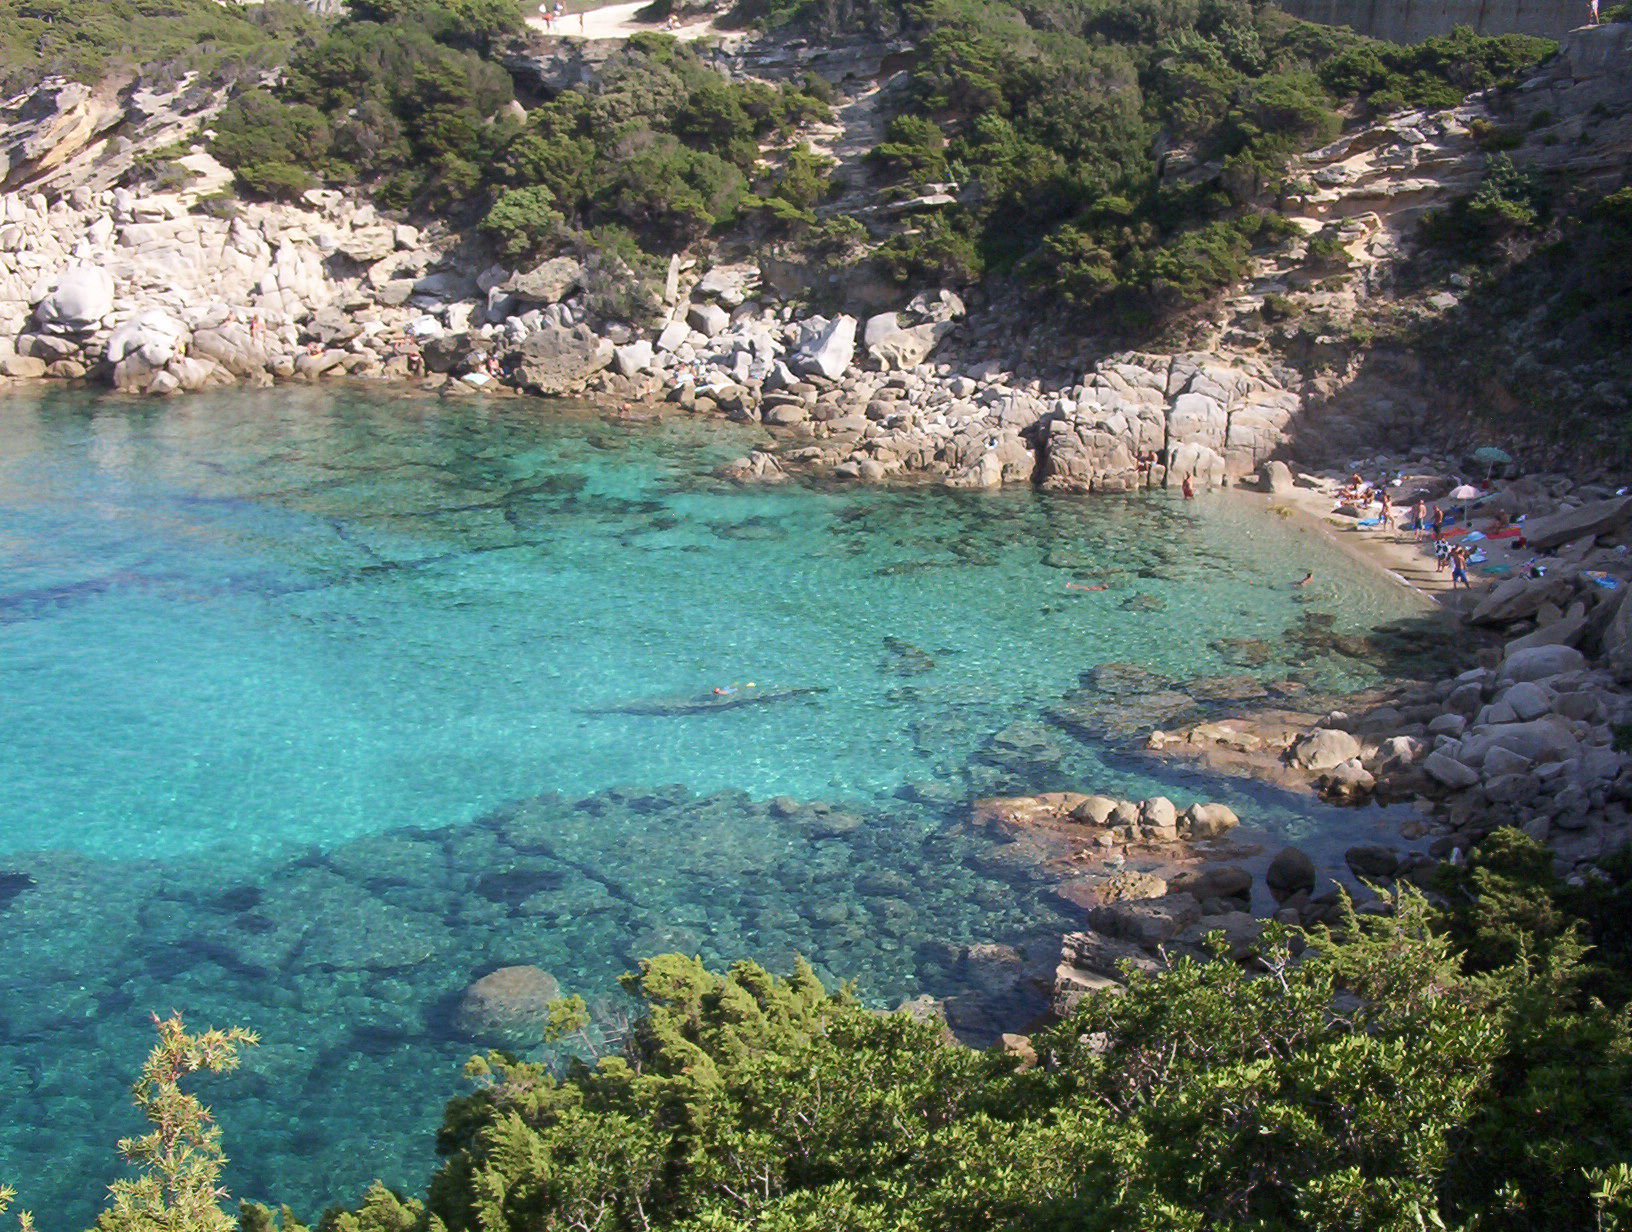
89,40
1124,161
1465,1068
1128,159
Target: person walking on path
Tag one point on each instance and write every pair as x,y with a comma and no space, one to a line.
1459,567
1388,512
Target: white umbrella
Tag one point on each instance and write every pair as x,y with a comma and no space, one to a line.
1465,493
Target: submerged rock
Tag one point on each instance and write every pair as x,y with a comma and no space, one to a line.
512,1003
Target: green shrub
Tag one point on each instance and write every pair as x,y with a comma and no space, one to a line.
1277,308
1509,201
1050,110
524,221
1328,248
913,148
1488,135
1435,73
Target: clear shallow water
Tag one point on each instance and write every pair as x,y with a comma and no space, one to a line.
286,674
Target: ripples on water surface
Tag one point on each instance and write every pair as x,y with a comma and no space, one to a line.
313,710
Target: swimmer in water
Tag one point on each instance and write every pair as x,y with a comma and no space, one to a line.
1307,578
1075,586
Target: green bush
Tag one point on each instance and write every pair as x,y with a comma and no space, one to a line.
1435,73
1509,201
1381,1080
524,221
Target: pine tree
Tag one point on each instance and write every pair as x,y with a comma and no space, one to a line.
180,1159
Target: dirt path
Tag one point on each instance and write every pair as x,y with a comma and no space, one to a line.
613,21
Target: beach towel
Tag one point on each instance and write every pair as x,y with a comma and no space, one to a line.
1498,570
1473,536
1512,532
1369,522
1603,579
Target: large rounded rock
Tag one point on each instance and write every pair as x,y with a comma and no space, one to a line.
155,335
1449,771
1208,820
1290,872
907,348
79,301
1540,740
1617,639
550,283
828,351
512,1004
1324,748
1372,861
1278,477
1540,662
555,360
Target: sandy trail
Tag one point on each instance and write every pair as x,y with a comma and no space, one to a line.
613,21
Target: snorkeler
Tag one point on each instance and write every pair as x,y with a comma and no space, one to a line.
1077,586
1307,578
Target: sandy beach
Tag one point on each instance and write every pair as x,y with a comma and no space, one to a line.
1396,552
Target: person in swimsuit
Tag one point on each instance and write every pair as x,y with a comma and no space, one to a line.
1459,567
1307,578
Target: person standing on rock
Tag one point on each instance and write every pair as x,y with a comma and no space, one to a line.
1592,10
1188,488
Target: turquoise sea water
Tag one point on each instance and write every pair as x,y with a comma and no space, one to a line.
317,706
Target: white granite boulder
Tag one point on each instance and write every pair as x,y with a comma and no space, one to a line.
829,352
79,301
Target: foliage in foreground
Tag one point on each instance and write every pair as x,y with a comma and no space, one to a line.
1465,1068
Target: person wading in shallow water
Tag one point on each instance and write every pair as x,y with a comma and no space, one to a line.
1189,489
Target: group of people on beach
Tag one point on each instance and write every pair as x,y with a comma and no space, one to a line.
1426,525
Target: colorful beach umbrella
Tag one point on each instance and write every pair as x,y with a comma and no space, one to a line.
1489,453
